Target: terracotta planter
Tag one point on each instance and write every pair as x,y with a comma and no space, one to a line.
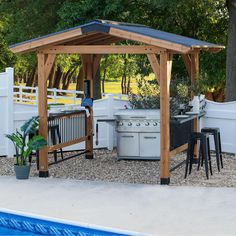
22,172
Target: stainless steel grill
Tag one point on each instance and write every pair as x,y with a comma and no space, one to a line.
138,134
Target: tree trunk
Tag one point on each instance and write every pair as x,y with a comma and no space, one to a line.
231,53
103,80
80,82
51,77
58,76
123,81
128,85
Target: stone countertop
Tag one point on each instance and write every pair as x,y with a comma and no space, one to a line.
174,120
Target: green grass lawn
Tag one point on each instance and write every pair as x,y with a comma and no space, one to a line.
110,87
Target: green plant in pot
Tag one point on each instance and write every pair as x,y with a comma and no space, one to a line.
24,143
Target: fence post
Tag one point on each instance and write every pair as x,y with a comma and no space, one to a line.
110,131
55,95
74,97
10,109
21,92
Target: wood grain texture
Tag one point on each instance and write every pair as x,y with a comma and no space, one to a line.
149,40
177,150
47,41
62,145
42,110
155,66
103,49
165,76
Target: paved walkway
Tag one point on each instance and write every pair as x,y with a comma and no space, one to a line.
150,209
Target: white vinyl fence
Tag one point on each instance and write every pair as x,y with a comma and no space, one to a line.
223,116
13,115
6,110
27,94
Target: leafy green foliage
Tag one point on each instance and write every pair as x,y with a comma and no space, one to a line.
23,147
203,19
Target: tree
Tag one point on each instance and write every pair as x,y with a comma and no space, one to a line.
231,53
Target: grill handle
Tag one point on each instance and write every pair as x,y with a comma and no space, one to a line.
149,137
101,120
96,133
127,136
138,117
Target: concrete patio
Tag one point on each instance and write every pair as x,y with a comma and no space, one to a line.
149,209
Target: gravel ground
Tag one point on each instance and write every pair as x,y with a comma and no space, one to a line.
106,167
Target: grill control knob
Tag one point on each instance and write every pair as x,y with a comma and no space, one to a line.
138,124
155,124
129,124
147,124
120,123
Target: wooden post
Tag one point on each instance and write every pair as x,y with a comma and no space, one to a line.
165,76
42,109
45,63
87,61
194,76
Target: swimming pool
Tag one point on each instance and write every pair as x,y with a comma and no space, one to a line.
16,224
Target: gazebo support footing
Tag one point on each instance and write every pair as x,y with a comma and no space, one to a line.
89,156
43,174
165,181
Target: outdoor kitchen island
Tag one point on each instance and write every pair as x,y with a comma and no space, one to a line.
138,133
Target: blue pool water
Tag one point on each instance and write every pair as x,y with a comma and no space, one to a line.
14,224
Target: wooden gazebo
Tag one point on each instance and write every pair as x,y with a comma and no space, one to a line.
94,39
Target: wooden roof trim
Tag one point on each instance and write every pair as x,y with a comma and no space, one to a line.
149,40
46,41
213,49
103,49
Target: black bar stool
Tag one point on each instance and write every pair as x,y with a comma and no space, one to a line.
54,130
204,156
216,134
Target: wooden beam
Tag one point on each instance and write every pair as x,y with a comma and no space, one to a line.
49,64
43,118
96,63
194,67
165,76
66,144
102,49
148,40
57,38
155,66
177,150
187,61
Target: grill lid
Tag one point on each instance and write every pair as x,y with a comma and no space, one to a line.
138,114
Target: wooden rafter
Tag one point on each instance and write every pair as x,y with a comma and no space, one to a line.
155,65
103,49
150,41
85,38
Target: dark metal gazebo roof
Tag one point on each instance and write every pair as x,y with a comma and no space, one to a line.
106,32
